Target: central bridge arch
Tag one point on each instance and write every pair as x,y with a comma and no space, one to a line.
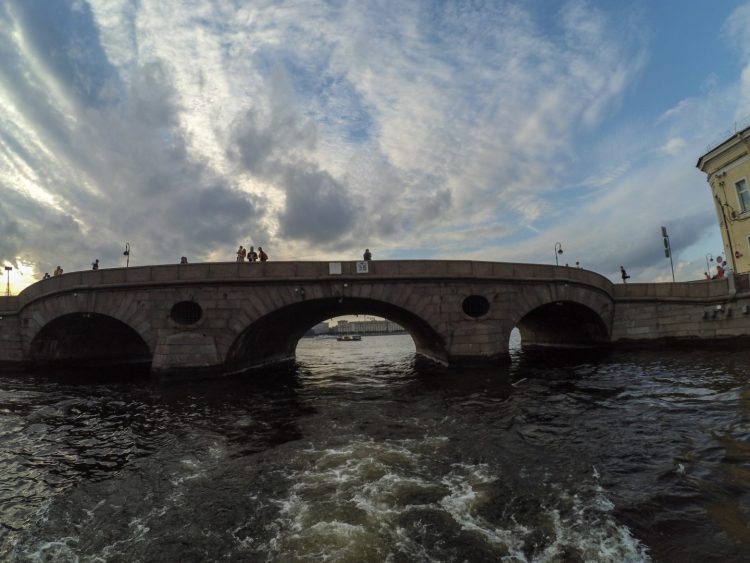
273,338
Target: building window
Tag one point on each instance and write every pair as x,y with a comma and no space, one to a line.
743,194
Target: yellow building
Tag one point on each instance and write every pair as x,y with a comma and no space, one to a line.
728,169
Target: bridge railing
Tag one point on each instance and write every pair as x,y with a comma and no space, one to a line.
243,272
8,304
704,289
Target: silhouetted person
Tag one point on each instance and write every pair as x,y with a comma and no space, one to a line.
367,255
624,274
46,276
183,260
241,253
252,256
262,255
58,271
95,264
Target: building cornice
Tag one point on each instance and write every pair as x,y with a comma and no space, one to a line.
731,142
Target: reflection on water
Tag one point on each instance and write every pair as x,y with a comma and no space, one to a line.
360,453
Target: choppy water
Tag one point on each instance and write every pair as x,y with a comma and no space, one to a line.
361,454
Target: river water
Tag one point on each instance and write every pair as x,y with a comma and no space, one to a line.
360,453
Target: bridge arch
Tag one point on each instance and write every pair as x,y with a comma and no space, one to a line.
562,324
87,339
273,338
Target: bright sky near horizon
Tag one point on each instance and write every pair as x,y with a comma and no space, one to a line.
434,129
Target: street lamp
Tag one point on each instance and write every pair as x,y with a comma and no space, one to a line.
558,250
667,249
7,287
709,258
127,254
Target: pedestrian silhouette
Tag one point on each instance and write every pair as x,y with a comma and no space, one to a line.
241,253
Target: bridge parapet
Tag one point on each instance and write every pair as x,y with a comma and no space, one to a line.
244,272
8,304
682,291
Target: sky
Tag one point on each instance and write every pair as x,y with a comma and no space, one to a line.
477,130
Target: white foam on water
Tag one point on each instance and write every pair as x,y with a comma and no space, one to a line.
61,550
90,511
138,533
463,482
195,468
368,500
179,473
587,528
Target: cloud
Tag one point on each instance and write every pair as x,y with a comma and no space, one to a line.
318,209
111,153
419,129
674,146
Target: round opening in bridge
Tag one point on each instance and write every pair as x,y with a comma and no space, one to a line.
186,312
476,306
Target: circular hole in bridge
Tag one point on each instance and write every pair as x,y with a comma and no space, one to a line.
475,306
186,312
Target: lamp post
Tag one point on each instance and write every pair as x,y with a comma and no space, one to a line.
7,287
667,249
558,250
709,258
127,254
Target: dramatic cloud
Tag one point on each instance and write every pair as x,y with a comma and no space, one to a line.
418,129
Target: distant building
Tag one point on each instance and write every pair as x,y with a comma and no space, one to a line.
383,326
318,329
727,166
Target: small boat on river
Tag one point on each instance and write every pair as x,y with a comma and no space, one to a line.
348,338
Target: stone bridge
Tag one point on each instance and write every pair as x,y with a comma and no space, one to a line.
230,317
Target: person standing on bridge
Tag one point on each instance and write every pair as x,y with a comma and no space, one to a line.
241,253
252,256
719,268
367,256
624,274
95,264
262,255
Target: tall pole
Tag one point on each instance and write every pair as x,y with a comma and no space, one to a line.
558,250
7,287
667,249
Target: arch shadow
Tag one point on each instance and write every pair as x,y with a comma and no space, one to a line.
562,325
273,339
83,340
